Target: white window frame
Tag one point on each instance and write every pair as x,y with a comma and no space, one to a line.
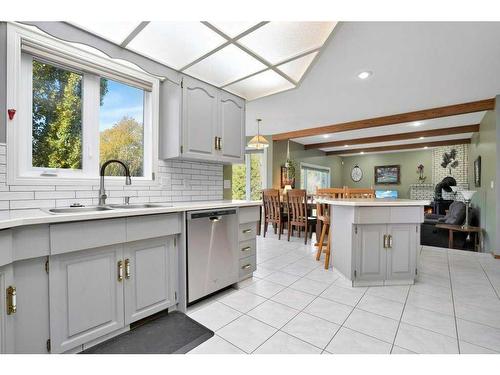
317,167
263,171
19,97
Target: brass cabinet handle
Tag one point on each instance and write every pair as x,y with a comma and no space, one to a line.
120,271
390,241
127,269
246,266
385,241
219,143
247,231
216,143
246,248
11,300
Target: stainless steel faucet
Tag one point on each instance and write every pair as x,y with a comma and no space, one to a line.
102,192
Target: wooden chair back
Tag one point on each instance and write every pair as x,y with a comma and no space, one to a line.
360,193
271,200
296,200
322,210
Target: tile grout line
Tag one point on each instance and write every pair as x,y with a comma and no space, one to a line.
400,318
453,303
487,276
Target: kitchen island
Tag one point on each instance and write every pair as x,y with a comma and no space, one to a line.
375,241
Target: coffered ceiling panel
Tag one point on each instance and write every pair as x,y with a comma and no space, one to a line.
225,66
175,44
233,28
115,31
278,41
261,84
296,68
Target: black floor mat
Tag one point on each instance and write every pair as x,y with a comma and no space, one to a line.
175,333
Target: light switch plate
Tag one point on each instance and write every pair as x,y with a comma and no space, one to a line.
492,184
227,184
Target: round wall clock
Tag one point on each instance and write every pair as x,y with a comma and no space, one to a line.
356,174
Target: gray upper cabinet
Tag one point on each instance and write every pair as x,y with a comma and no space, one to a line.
148,277
232,128
200,122
86,296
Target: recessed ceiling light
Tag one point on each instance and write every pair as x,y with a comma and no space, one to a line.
426,147
346,145
362,152
421,137
365,74
326,135
417,123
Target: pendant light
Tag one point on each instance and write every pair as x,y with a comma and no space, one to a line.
258,142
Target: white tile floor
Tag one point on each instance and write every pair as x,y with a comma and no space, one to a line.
293,305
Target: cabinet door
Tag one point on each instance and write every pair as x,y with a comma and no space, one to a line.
401,256
149,282
6,321
232,128
86,296
170,138
199,120
370,253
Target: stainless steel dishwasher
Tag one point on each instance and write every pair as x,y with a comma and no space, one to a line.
212,251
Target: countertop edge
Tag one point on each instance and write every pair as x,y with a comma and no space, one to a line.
374,202
40,217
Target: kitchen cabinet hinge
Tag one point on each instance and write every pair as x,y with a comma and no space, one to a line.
154,176
182,149
48,345
175,296
356,229
416,271
182,83
175,241
416,228
47,265
355,273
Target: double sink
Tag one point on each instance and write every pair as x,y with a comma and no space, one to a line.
73,210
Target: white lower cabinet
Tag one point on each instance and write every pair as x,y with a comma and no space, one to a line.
7,314
95,292
150,275
385,254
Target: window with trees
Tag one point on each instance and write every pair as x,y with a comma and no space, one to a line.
249,179
76,110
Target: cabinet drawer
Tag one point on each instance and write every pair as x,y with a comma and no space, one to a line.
151,226
248,231
249,214
247,248
247,266
31,241
68,237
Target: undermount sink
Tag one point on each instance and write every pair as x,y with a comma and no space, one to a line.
138,205
73,210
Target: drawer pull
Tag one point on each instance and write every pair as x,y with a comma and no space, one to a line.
11,300
120,271
127,268
246,248
246,266
247,231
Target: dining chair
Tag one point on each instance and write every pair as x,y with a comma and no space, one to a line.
323,212
272,211
298,216
360,193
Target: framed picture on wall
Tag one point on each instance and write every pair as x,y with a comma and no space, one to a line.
387,175
477,172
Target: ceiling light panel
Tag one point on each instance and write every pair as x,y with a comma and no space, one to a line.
175,44
233,28
225,66
115,31
278,41
295,69
261,84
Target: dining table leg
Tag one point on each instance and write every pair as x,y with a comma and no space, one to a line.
450,239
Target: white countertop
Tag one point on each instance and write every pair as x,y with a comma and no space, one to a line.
373,202
16,218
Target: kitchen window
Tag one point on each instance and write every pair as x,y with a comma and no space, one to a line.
77,110
313,177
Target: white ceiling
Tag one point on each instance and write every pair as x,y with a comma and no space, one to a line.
415,65
250,59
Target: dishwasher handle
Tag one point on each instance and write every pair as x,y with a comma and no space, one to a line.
215,219
212,214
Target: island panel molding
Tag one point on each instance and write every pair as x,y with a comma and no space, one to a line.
426,114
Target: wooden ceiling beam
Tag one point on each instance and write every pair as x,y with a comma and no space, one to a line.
396,137
402,147
426,114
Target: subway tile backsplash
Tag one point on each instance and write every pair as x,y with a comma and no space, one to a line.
177,181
